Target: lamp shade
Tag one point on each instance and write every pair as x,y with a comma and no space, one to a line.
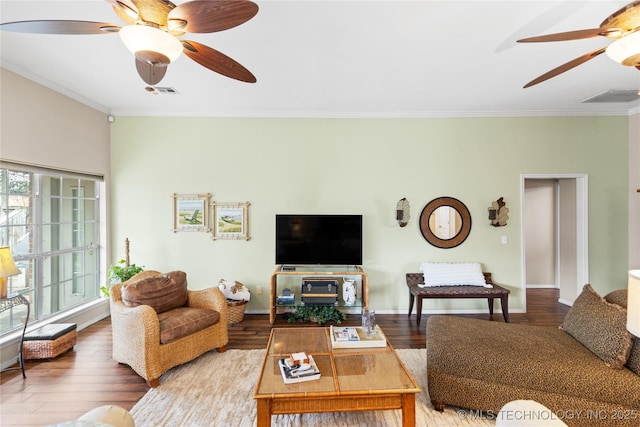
633,303
626,50
145,38
7,266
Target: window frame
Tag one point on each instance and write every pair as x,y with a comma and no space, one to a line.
71,288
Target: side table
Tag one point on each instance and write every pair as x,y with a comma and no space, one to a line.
7,303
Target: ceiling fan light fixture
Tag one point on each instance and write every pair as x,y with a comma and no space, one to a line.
145,38
626,50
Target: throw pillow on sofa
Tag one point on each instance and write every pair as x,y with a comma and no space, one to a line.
620,297
162,292
600,326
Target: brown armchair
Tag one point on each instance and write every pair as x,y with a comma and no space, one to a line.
156,327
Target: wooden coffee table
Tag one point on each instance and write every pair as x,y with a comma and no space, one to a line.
364,379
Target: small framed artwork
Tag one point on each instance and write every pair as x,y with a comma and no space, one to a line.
230,221
191,212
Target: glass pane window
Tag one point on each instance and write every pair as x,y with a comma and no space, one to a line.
51,223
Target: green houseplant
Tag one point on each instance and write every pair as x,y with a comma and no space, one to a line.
317,313
118,273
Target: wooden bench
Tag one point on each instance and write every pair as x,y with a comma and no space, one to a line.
413,279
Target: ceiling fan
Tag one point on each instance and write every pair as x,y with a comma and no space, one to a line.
152,30
623,26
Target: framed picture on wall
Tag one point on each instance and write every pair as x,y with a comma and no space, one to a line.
230,221
191,212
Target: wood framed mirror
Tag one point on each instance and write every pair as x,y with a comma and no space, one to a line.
445,222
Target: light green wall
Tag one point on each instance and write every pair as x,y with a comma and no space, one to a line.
361,166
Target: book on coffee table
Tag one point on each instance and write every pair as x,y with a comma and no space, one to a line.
342,334
377,340
292,374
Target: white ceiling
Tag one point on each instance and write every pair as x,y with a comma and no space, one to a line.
340,59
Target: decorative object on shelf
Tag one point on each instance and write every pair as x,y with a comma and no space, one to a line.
191,212
286,299
633,303
403,212
349,291
230,221
320,314
319,290
7,269
499,213
445,222
121,272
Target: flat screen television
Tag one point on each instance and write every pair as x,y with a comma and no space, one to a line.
319,239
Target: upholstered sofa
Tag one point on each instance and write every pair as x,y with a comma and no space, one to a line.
587,371
158,324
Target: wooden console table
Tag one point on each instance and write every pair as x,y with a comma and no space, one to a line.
362,298
413,279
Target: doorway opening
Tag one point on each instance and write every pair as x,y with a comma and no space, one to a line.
555,233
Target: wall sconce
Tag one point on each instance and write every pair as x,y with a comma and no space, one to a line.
402,212
498,213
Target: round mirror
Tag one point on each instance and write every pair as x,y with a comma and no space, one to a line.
445,222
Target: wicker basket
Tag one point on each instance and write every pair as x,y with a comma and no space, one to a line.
235,311
38,346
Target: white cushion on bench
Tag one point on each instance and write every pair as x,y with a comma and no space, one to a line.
453,274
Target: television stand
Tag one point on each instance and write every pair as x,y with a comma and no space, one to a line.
285,276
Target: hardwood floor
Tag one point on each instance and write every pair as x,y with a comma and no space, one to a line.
86,377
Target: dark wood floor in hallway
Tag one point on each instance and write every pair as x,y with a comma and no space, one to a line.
87,377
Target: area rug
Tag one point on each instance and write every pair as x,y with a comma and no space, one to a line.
217,390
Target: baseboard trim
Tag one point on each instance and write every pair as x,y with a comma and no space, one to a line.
565,302
424,311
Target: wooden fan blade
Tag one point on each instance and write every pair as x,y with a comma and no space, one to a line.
566,67
570,35
626,18
155,11
208,16
151,66
60,27
217,61
126,10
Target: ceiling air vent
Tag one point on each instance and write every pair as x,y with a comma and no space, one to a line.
615,95
156,90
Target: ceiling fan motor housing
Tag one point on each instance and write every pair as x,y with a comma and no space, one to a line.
151,66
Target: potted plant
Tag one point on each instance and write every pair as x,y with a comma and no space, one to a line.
317,313
119,273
